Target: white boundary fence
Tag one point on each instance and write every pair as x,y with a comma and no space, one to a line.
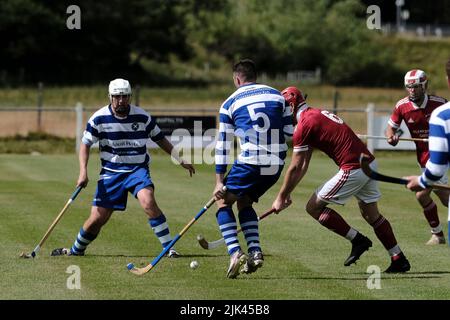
22,120
79,125
376,125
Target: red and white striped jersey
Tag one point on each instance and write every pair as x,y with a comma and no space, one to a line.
327,132
416,118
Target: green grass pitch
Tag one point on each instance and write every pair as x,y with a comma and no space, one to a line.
303,260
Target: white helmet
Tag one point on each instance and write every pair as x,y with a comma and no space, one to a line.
416,76
119,87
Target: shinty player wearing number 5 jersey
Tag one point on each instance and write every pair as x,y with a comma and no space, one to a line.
415,110
319,129
122,131
257,115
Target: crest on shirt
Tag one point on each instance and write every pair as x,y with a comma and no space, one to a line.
135,126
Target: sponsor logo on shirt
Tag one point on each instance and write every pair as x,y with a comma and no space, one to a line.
127,143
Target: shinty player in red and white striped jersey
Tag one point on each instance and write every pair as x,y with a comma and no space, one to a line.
415,110
320,129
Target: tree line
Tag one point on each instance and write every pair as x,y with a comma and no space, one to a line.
188,42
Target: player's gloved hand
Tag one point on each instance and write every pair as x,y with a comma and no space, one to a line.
393,140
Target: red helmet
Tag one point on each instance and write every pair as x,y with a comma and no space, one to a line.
416,76
293,95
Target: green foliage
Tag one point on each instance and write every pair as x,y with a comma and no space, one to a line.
352,52
195,42
101,49
281,36
428,55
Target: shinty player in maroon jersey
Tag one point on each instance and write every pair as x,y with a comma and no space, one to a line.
415,111
320,129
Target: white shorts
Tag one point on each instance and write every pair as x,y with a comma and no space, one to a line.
348,183
443,180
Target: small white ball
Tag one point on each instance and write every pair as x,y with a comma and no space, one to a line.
194,264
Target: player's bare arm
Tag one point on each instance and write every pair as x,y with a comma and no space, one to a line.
294,174
168,148
83,158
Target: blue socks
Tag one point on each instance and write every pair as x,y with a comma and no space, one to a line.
228,228
249,224
82,241
161,229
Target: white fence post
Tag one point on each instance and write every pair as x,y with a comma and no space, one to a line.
79,125
370,125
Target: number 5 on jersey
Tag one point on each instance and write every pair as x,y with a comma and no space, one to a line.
256,115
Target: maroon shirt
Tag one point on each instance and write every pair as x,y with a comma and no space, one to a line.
327,132
416,119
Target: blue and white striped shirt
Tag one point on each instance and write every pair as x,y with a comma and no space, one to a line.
438,142
122,141
257,115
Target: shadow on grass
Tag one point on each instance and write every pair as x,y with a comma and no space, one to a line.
364,276
430,272
384,277
205,255
406,277
151,257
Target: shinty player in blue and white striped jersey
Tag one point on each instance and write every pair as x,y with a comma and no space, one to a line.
439,146
256,114
122,131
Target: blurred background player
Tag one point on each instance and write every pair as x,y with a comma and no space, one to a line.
439,142
122,131
256,114
320,129
415,111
